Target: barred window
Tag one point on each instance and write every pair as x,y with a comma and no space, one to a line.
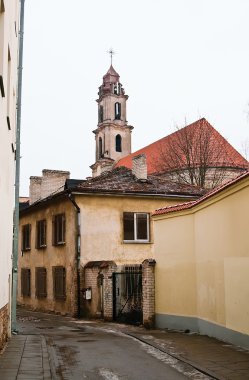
26,237
41,232
40,282
25,282
59,280
59,229
136,226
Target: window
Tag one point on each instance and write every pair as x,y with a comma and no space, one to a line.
41,282
25,282
59,280
41,229
100,147
118,143
59,228
101,114
26,237
136,226
117,111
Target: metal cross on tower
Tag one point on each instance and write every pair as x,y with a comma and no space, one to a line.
111,52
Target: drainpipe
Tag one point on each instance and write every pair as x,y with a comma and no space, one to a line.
17,175
77,249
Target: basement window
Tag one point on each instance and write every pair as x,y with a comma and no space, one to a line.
136,227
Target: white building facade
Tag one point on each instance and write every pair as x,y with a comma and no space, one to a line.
9,26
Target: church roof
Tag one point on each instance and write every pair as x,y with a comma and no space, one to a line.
111,76
158,152
210,194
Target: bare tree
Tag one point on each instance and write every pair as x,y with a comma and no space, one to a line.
245,148
196,154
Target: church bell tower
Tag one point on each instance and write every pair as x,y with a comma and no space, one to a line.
113,134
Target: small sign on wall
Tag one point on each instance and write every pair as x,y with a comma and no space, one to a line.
87,293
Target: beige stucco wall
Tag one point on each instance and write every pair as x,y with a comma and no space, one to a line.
9,25
102,228
63,255
202,260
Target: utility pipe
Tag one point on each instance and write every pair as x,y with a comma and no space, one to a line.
17,174
77,249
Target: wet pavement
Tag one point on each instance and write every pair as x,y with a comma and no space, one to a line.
55,347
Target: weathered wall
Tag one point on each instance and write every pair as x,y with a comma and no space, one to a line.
202,277
9,25
63,255
4,325
102,228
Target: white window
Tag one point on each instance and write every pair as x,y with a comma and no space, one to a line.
136,226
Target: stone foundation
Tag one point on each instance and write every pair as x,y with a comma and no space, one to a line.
4,325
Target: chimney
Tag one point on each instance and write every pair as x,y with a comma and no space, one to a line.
52,181
139,167
35,189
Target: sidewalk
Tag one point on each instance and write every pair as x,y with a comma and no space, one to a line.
217,359
25,358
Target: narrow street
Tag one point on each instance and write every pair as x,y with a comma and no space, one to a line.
56,347
87,350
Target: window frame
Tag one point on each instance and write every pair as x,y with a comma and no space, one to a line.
26,282
117,111
41,235
135,229
26,237
56,229
118,143
40,282
59,272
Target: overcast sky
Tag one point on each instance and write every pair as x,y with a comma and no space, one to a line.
177,60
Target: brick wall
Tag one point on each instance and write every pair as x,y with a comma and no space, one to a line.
98,277
108,291
139,166
148,268
4,323
50,182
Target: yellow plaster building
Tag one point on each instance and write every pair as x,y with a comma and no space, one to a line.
202,264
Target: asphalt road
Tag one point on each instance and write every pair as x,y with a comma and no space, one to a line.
91,350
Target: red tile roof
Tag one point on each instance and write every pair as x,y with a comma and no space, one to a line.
228,158
189,205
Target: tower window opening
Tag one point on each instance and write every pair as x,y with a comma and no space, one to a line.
101,114
100,147
116,89
118,143
117,111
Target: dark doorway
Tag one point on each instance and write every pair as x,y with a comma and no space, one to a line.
127,296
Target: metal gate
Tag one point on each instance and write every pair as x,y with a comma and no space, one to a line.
127,296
